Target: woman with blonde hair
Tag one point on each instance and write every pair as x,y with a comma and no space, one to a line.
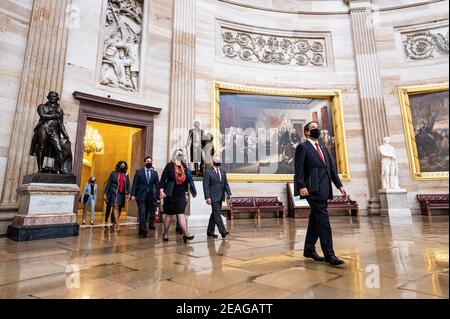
174,189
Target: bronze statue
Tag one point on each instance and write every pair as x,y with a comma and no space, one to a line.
195,144
50,138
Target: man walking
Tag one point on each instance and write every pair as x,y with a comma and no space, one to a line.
216,189
145,191
314,172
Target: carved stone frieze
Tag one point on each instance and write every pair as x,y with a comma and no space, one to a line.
423,45
121,63
273,49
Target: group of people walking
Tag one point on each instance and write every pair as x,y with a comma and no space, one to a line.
173,189
314,174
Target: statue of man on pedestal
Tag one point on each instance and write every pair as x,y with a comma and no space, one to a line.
389,166
196,142
51,139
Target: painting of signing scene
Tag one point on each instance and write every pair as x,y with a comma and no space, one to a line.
260,133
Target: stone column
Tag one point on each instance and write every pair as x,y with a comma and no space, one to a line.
182,88
42,72
371,94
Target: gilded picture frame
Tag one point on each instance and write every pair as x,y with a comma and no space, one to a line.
334,96
405,94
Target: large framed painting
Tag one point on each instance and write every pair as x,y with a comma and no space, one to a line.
258,129
425,122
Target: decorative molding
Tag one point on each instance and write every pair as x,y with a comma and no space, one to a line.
272,48
121,57
425,44
327,12
122,104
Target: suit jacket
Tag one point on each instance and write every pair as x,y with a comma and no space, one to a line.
112,186
168,179
214,187
87,190
192,187
313,174
141,187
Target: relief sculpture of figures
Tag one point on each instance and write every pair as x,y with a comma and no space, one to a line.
389,165
121,49
51,139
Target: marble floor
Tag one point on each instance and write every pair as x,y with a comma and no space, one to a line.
261,259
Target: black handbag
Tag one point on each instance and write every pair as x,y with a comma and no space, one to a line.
85,198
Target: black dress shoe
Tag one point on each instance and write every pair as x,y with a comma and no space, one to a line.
143,235
313,255
212,235
225,235
186,238
151,226
334,261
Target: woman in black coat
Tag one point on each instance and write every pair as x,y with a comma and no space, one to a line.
116,192
174,189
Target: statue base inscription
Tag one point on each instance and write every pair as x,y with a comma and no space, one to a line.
46,205
394,203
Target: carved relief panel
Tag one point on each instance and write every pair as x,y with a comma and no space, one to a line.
275,47
425,44
121,58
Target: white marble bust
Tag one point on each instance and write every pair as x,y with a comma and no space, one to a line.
389,166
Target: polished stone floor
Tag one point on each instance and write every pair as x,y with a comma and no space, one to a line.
261,259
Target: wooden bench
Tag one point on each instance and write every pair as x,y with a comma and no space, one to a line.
242,205
340,203
432,201
269,204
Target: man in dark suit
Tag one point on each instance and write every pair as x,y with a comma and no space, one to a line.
145,192
216,189
314,173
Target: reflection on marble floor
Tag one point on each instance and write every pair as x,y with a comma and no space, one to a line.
261,259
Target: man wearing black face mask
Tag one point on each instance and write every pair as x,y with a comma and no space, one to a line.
216,188
145,192
314,173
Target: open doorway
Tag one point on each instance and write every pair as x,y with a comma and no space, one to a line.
126,131
104,145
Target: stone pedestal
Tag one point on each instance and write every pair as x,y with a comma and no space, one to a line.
394,203
45,208
199,210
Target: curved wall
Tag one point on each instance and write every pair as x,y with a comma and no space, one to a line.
389,17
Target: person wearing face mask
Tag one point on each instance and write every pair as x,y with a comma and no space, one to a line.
116,191
174,190
89,197
192,190
314,173
145,191
216,189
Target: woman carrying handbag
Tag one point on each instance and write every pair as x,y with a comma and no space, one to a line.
117,191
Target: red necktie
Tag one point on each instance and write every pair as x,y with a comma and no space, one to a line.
218,173
320,153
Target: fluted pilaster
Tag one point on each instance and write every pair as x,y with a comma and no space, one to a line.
42,72
370,90
182,92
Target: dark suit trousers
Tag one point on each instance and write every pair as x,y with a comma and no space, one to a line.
146,213
319,227
216,219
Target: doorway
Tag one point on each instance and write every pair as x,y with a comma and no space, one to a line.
124,131
104,145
